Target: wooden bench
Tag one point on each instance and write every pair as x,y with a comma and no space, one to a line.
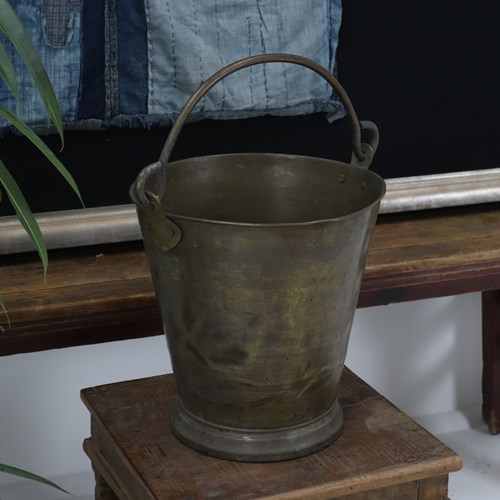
101,294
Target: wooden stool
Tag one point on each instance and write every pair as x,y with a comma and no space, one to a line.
382,453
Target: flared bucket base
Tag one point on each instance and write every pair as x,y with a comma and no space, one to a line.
256,445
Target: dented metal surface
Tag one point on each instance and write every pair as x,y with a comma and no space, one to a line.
258,294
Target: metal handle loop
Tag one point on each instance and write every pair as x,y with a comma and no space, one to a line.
362,153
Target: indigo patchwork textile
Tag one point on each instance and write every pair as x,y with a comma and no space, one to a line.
54,26
134,63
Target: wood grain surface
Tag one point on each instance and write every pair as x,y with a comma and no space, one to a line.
99,294
102,294
381,450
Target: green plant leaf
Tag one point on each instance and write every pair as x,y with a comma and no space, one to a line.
29,475
13,28
26,131
24,214
8,75
4,310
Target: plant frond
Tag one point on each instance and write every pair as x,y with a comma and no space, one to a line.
13,28
29,475
27,132
8,75
24,214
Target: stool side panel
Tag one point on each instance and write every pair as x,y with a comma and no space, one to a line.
425,489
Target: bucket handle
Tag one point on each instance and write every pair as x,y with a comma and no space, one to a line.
362,154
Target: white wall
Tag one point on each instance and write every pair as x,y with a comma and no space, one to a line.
424,356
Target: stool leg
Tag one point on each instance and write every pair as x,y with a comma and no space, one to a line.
102,488
491,359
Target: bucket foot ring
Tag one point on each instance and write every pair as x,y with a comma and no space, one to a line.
256,445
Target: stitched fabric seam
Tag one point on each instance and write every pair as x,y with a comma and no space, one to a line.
147,15
280,40
222,83
110,60
263,46
172,41
250,53
198,45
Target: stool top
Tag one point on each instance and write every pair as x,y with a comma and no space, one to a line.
132,446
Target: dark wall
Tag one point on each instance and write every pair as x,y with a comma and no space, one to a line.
427,73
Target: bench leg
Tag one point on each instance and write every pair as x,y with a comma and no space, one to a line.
491,359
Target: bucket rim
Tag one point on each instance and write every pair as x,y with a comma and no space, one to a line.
351,215
282,224
322,159
205,220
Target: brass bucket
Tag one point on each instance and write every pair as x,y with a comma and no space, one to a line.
257,262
